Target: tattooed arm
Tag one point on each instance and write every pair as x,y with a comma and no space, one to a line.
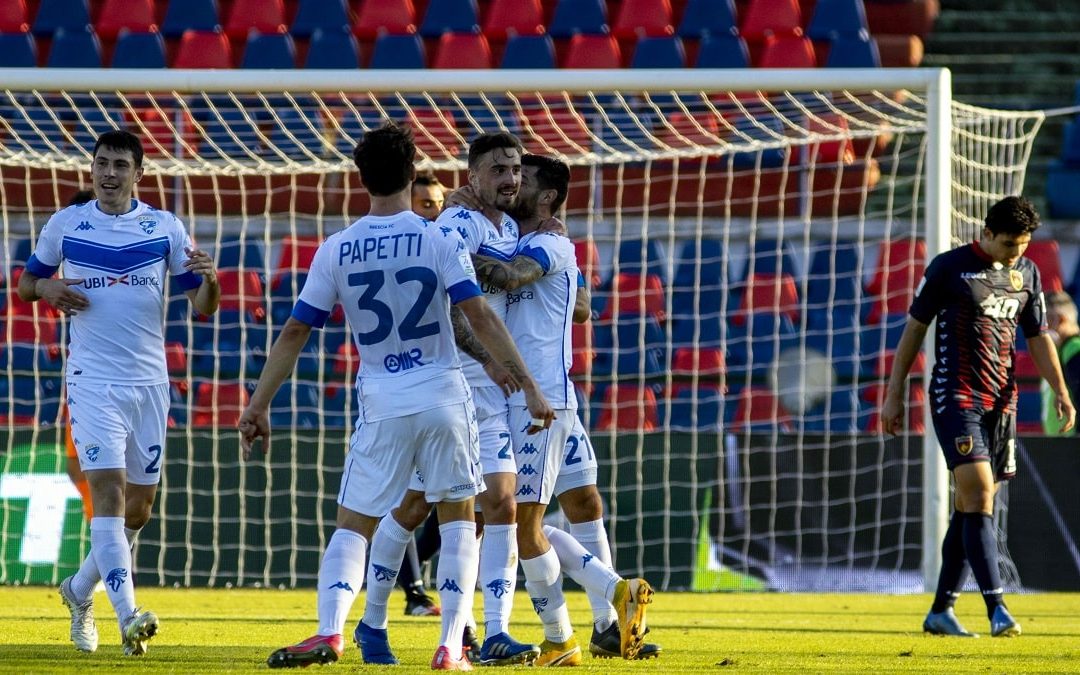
467,342
582,305
510,276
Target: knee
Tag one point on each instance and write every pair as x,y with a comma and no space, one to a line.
976,500
583,507
412,513
500,511
137,512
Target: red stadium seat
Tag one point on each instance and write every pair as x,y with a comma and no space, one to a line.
582,340
885,363
513,17
759,409
771,17
434,131
831,152
628,407
593,51
911,17
219,405
392,17
135,15
463,50
29,322
158,128
203,49
264,16
13,17
900,268
690,361
875,394
175,357
787,51
639,18
771,294
588,260
296,256
636,295
555,127
1046,256
242,292
680,130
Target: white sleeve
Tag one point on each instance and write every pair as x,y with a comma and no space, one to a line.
49,247
320,290
179,243
465,223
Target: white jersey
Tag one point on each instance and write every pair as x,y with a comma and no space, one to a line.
483,238
396,277
540,316
123,261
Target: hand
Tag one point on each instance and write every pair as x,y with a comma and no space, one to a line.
60,294
554,226
200,262
1066,413
464,196
539,409
892,415
254,425
502,377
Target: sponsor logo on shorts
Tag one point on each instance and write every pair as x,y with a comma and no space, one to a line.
525,490
463,486
92,452
964,444
528,449
527,470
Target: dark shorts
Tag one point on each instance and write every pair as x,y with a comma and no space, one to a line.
978,436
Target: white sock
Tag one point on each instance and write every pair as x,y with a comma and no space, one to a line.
84,581
544,583
341,574
387,551
113,557
498,576
583,567
458,560
593,537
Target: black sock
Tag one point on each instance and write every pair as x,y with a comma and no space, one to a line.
981,549
429,541
406,578
953,565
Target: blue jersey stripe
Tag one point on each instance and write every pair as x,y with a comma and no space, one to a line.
187,281
115,259
40,269
539,255
312,316
492,253
463,290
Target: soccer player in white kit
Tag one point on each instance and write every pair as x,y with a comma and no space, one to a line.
494,176
396,275
541,281
117,254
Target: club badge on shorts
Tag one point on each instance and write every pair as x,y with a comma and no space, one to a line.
964,444
1016,279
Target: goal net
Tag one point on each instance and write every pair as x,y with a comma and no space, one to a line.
751,240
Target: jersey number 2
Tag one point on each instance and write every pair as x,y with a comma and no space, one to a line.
410,327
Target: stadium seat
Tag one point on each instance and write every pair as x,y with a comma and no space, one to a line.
203,49
874,394
772,256
450,16
903,17
787,52
297,132
769,293
700,361
219,405
389,17
34,127
228,129
242,291
176,358
843,412
30,323
269,51
529,51
703,18
643,18
334,48
1046,256
581,337
13,17
573,17
628,408
116,15
17,50
295,406
55,14
755,344
184,15
701,280
398,51
92,122
313,15
636,295
834,277
509,18
759,410
900,267
879,338
637,256
886,359
860,51
297,252
765,18
139,50
696,409
725,50
837,18
1029,410
593,51
264,16
588,260
463,50
631,347
556,126
659,52
237,252
74,48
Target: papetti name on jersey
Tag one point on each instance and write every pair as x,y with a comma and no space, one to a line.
403,244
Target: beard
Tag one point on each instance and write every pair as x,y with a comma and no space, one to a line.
522,209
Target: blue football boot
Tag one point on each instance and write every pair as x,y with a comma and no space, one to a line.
1002,624
374,644
945,623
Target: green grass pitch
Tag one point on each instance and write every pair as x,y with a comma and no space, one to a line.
223,630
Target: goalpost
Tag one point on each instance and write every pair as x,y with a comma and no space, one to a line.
752,239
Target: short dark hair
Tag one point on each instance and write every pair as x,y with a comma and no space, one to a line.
426,177
551,174
81,197
1012,215
485,143
118,139
385,158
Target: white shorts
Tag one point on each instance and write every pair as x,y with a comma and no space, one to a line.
117,426
540,456
385,456
578,467
496,452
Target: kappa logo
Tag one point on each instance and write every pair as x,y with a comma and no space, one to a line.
450,585
84,225
528,448
527,470
499,587
585,559
964,444
343,585
525,491
116,578
463,215
383,573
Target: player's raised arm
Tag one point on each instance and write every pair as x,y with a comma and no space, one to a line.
892,410
1045,356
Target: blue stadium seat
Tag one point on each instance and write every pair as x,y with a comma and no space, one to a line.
757,343
701,276
874,339
843,412
702,18
34,126
274,51
702,414
450,16
837,18
74,48
313,15
295,131
182,15
235,253
92,121
571,17
398,51
332,48
17,50
1061,193
631,348
529,51
139,50
835,276
725,50
296,404
55,14
771,256
659,52
227,125
641,256
766,158
860,51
